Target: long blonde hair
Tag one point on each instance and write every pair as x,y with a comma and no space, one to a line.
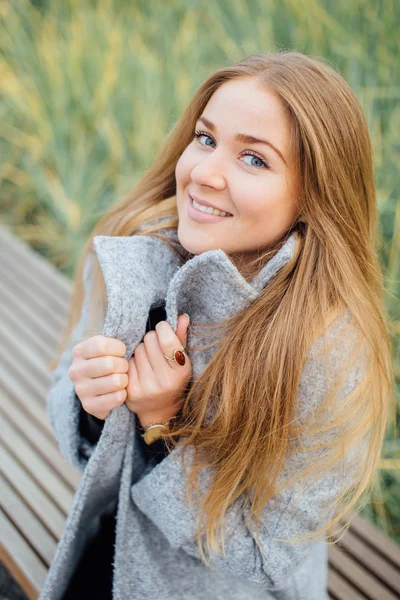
253,378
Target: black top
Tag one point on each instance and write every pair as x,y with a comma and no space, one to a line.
92,579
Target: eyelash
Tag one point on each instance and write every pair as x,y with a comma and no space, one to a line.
197,134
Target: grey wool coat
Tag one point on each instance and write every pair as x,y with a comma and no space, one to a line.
156,552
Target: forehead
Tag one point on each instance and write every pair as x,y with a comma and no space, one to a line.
246,106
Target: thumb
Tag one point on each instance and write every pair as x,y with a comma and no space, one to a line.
182,327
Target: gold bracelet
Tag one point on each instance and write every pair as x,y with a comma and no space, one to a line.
154,431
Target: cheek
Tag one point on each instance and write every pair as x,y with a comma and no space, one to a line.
251,198
183,168
263,199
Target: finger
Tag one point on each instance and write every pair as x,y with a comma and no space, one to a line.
182,328
132,370
102,385
155,355
143,366
169,343
99,345
100,406
133,387
104,365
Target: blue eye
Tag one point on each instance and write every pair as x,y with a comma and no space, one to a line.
253,155
199,134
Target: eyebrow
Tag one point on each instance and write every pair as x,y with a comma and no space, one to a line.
245,138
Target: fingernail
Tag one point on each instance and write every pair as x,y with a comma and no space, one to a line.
188,323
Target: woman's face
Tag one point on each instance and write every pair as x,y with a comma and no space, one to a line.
253,181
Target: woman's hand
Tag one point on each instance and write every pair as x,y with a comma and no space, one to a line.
99,374
156,386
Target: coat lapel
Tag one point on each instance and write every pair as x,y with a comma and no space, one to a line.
210,289
137,271
142,270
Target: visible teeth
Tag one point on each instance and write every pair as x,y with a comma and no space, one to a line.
210,210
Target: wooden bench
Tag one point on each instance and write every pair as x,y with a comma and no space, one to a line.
37,484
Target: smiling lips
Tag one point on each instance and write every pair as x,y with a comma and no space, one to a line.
201,216
207,209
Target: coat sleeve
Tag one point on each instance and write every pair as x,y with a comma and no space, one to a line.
290,514
63,405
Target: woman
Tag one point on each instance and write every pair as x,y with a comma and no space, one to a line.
273,403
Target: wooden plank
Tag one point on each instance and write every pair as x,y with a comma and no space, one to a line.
21,354
34,496
45,448
20,559
19,393
38,468
28,526
377,539
44,293
14,364
23,282
11,244
22,307
26,332
371,560
359,577
340,589
18,284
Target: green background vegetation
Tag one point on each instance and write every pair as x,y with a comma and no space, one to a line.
90,89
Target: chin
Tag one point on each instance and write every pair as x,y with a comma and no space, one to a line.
191,243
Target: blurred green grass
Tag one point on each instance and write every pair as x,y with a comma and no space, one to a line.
90,89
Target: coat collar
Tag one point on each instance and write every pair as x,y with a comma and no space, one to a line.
139,271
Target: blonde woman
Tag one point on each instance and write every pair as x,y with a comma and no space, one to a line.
220,455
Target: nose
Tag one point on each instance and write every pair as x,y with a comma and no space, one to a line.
209,172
